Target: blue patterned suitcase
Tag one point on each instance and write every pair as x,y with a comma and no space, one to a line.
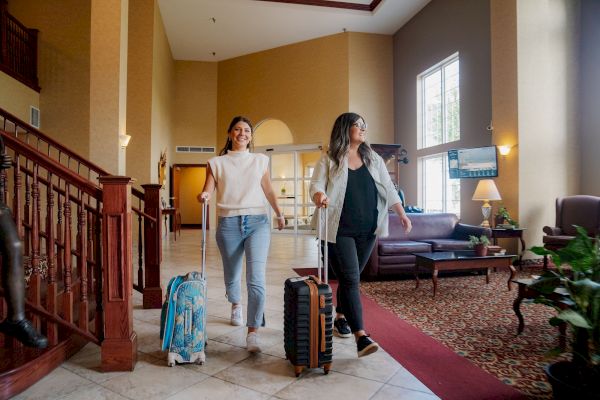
183,316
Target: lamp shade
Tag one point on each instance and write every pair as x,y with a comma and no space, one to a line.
486,190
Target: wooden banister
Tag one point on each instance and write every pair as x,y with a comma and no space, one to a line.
119,347
18,55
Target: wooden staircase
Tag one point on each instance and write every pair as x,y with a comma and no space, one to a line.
76,225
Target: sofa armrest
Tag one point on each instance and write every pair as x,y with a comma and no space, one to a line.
552,231
463,231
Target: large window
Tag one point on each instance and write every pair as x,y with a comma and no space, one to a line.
439,103
438,97
439,194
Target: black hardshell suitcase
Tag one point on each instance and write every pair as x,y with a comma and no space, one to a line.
308,318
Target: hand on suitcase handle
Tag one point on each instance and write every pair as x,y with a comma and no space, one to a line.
203,197
321,200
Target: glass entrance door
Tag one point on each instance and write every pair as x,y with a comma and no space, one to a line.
291,170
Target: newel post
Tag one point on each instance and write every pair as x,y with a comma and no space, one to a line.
152,247
119,347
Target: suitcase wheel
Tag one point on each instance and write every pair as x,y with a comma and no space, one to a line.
171,360
298,370
199,362
326,368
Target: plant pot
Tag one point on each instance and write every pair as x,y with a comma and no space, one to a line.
499,220
480,250
569,381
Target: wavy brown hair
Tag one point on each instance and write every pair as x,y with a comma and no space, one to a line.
339,143
229,145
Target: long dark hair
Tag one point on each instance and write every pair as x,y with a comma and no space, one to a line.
229,145
339,143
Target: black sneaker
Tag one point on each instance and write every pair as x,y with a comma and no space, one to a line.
24,332
365,346
341,328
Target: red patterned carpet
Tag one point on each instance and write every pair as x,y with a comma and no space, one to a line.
477,321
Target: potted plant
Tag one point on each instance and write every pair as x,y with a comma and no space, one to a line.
503,217
578,307
479,244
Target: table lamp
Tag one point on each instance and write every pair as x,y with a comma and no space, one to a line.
486,191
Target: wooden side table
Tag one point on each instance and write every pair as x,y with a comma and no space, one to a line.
527,292
174,212
516,233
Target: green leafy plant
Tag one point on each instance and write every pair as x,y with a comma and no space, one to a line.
579,302
476,240
502,215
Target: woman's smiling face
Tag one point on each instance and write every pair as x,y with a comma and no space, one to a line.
240,135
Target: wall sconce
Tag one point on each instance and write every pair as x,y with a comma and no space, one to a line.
504,150
124,140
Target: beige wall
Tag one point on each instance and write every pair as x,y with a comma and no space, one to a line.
305,85
17,98
139,90
504,103
549,149
108,83
63,66
195,109
163,92
370,79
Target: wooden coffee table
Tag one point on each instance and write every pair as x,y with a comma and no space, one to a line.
459,260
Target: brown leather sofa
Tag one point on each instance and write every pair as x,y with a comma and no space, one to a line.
392,255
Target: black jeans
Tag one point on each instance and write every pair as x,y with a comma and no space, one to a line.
348,257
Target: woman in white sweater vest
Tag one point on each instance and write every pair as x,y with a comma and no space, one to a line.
243,184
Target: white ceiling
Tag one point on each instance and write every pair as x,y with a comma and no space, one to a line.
246,26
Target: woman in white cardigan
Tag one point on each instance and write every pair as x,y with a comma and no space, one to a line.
351,180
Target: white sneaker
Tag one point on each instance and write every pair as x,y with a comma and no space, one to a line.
252,343
236,315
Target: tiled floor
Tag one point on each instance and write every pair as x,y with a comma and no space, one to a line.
230,371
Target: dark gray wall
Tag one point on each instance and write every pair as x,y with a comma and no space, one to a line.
590,97
440,29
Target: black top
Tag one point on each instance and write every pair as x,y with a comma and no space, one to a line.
359,214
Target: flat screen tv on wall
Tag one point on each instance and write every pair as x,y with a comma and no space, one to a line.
479,162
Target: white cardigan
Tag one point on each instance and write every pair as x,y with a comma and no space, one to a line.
332,181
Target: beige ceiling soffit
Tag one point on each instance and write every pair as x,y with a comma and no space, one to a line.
333,4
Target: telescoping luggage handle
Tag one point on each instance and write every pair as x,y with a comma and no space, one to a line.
322,261
204,209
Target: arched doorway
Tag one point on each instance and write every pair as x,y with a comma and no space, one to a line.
272,131
291,169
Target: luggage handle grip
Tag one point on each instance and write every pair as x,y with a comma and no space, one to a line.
322,261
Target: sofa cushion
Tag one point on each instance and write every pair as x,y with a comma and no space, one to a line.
387,248
398,259
432,226
447,244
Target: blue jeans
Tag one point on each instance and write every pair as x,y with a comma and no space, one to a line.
250,234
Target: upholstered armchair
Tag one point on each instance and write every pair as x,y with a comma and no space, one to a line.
579,210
